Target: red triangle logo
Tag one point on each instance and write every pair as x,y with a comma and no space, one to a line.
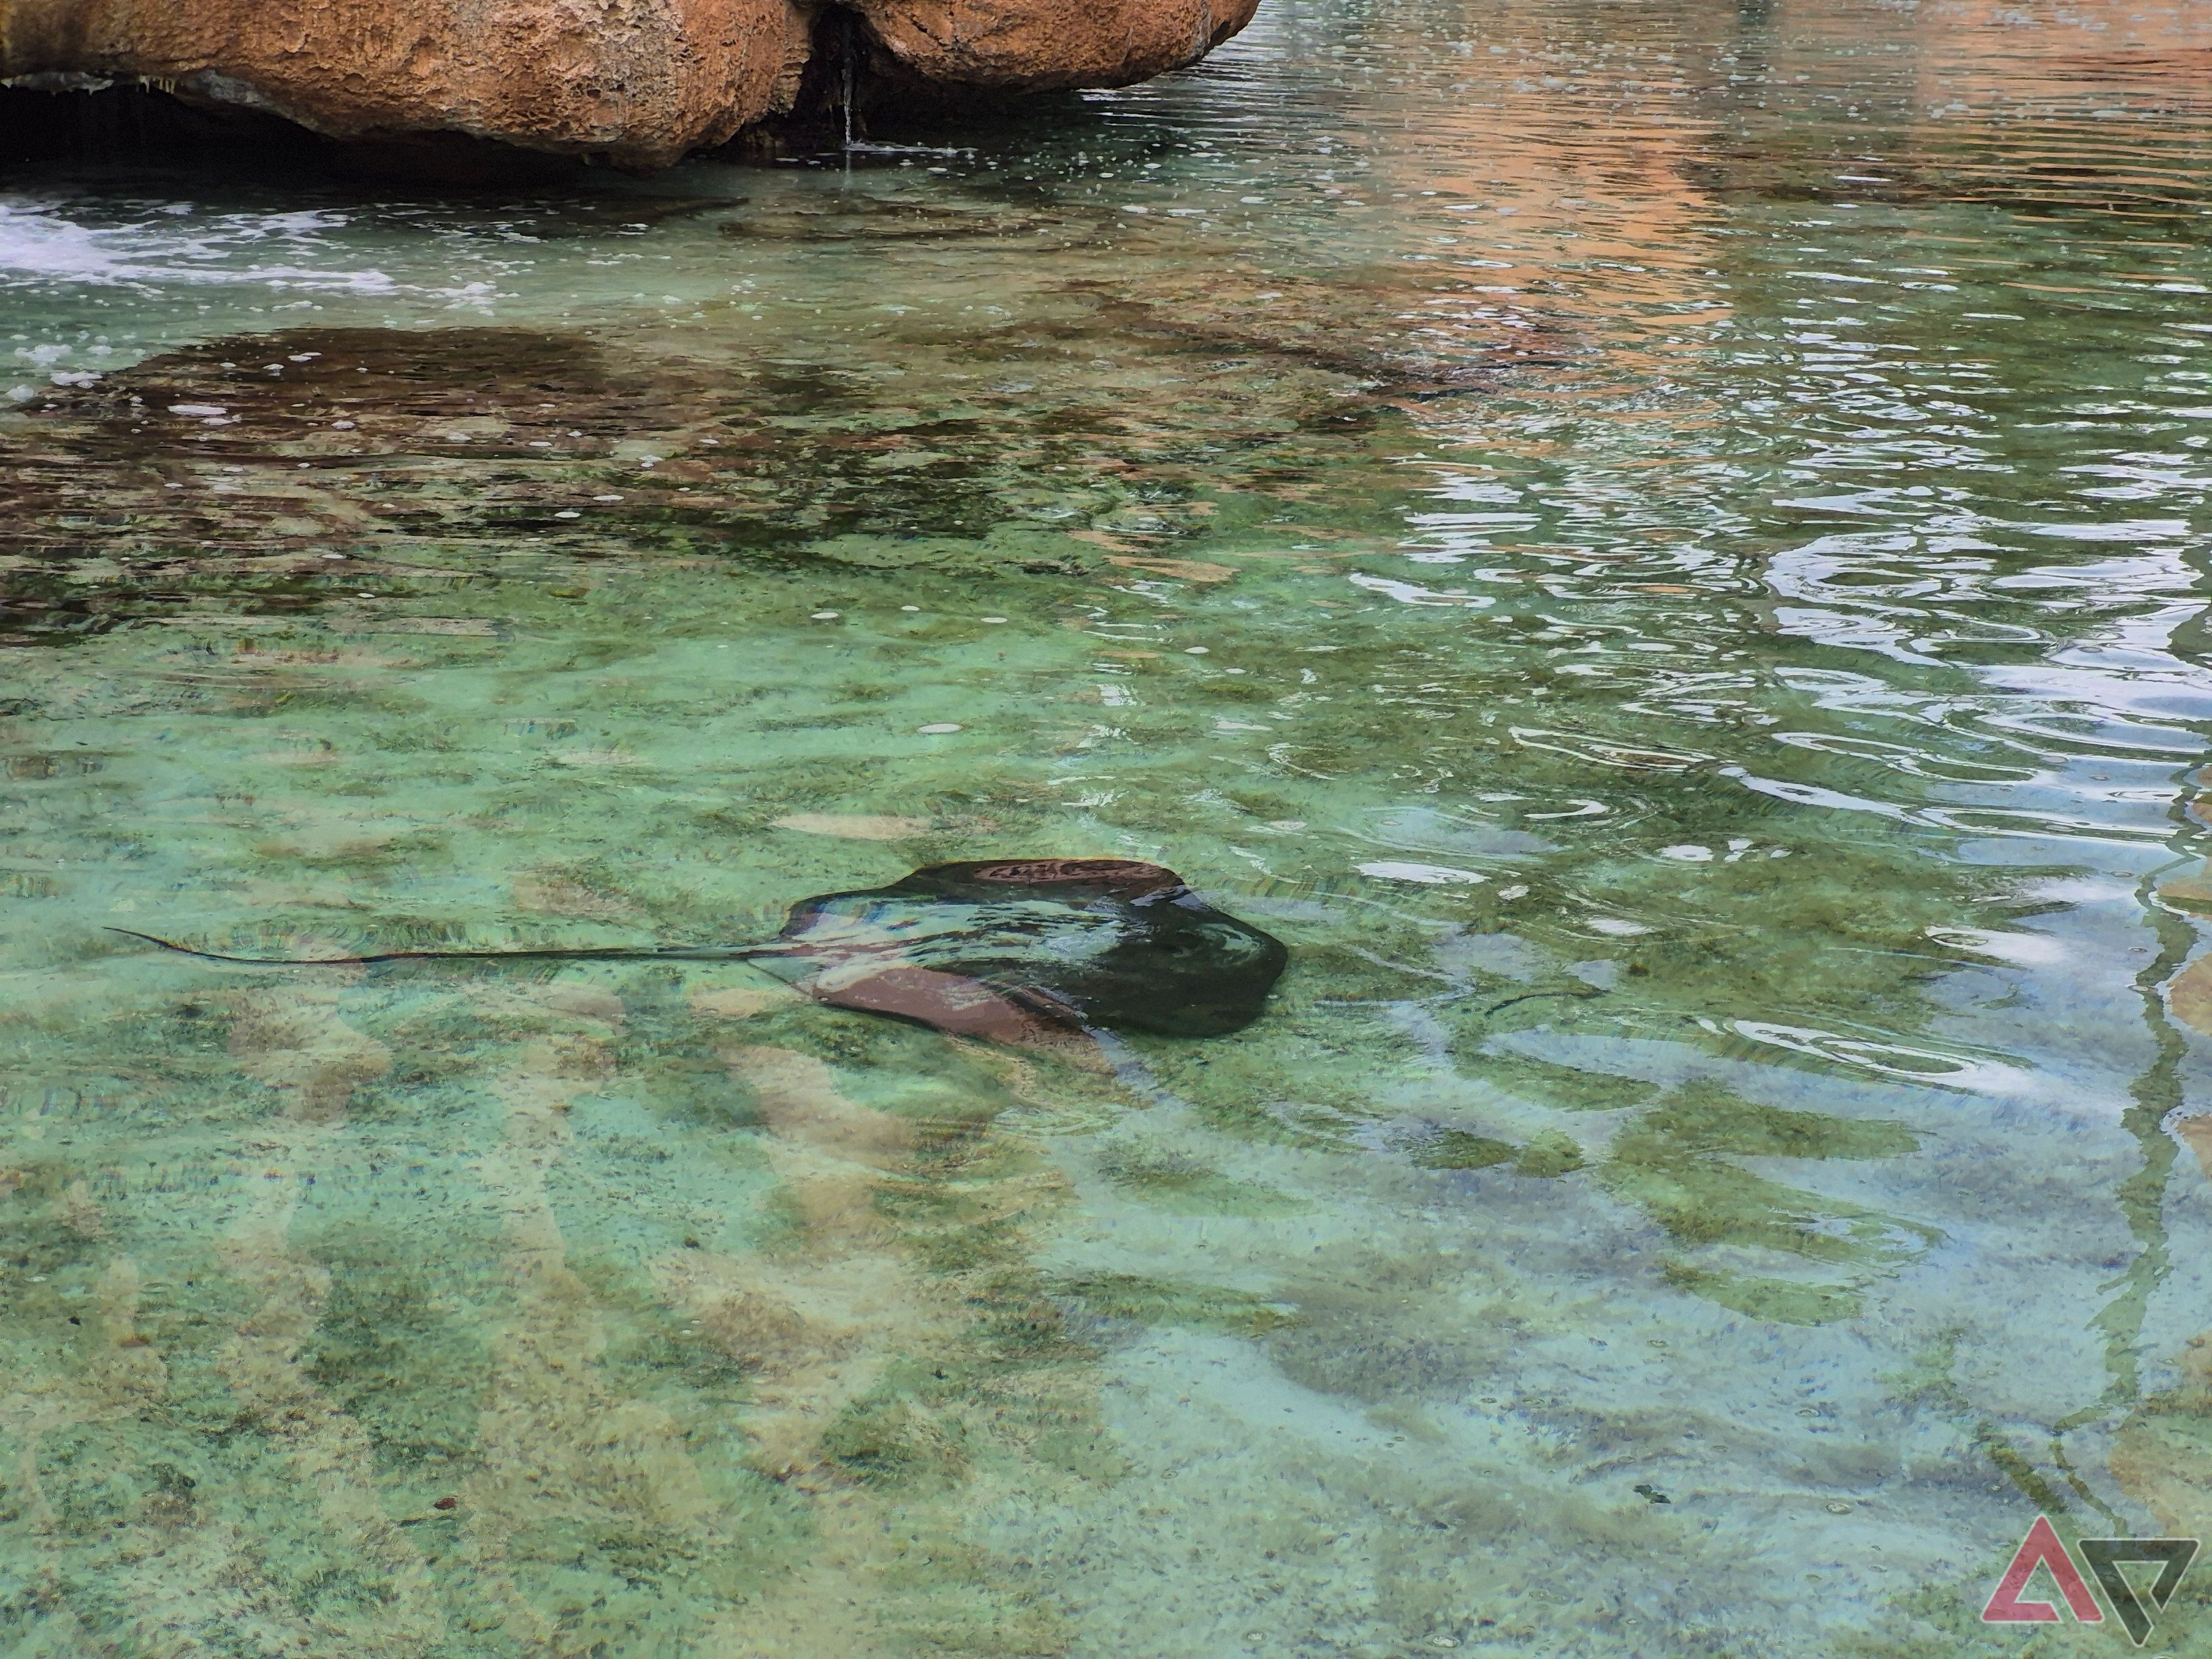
2041,1548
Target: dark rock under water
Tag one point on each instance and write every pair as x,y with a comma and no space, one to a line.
1009,949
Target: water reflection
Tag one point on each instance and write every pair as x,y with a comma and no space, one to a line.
1657,547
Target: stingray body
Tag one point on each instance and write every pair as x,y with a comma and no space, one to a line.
1010,949
1101,943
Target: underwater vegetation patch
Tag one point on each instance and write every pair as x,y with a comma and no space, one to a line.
1677,1162
1564,1088
1548,1153
254,470
1455,1149
654,1351
890,1441
1174,1181
1377,1328
1147,1301
399,1343
860,217
1785,1301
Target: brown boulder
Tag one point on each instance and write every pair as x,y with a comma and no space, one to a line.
635,82
1029,45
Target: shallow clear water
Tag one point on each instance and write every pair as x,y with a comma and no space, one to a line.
1658,547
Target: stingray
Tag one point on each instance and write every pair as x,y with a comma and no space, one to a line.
1013,949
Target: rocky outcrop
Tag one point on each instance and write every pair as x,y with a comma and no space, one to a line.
1029,45
637,83
640,81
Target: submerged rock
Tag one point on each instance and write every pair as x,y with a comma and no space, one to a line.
635,82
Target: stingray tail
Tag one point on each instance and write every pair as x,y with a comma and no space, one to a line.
609,953
216,956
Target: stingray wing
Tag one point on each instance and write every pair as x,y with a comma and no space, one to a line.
953,1003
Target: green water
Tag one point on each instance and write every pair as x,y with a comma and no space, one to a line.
1658,547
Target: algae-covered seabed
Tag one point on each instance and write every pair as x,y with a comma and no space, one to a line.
1656,546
